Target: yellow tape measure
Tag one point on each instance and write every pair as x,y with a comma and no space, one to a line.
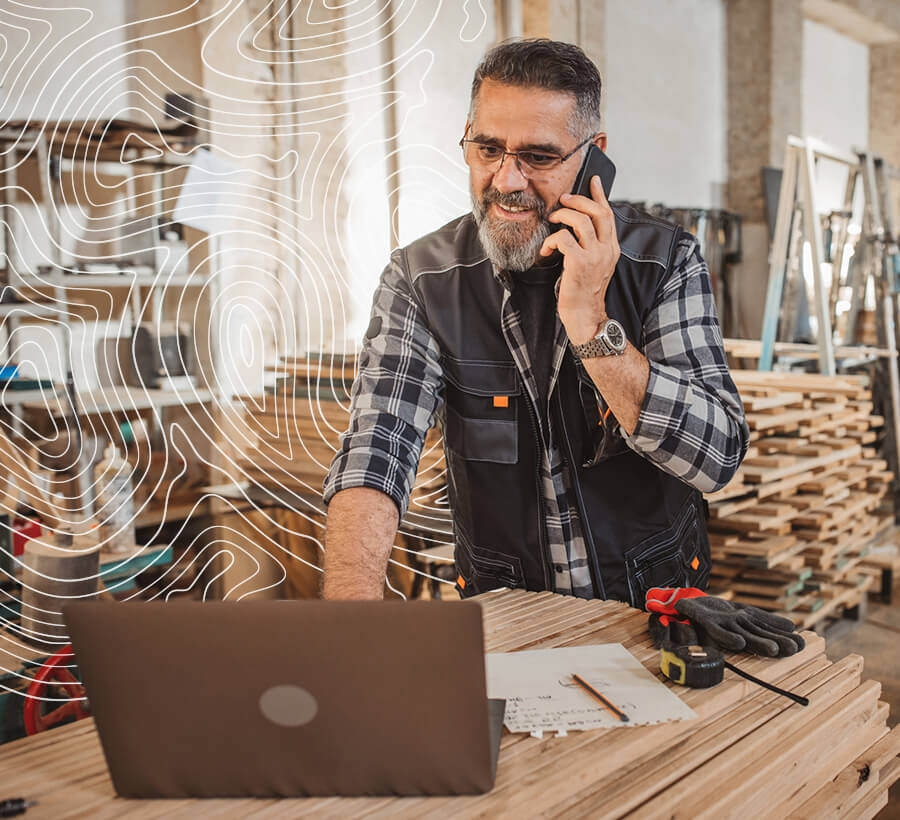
696,666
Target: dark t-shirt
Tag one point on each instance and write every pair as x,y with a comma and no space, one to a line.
534,297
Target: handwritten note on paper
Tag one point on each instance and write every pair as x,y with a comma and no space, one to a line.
542,697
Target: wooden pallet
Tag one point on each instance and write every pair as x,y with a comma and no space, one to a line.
790,532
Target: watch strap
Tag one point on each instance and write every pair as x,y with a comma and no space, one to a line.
592,349
599,345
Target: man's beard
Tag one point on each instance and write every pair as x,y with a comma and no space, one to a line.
510,245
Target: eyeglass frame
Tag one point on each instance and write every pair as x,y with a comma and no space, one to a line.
515,154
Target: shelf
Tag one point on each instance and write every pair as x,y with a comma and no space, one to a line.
122,399
29,309
171,512
115,567
125,279
40,398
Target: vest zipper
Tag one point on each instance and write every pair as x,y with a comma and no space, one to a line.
538,440
585,523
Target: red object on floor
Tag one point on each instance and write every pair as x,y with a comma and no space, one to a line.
54,673
24,529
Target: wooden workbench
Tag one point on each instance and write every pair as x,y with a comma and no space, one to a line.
749,754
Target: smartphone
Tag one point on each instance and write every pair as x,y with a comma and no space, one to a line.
595,163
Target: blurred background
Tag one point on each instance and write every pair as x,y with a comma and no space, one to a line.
198,198
339,127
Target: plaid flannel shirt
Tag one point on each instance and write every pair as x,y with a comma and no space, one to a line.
691,423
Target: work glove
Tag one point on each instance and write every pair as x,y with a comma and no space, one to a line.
740,627
664,629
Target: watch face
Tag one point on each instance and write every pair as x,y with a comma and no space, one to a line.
615,335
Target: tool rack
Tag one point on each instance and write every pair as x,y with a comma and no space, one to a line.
118,148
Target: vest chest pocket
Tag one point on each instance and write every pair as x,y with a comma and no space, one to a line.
672,557
481,410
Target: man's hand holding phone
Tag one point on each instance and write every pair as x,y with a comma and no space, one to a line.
589,259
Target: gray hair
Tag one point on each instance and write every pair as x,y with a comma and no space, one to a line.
547,64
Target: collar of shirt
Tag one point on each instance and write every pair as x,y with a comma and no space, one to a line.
547,269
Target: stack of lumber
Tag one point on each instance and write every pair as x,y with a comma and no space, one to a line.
752,349
292,432
790,530
749,752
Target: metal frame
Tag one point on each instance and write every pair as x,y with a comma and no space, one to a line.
798,187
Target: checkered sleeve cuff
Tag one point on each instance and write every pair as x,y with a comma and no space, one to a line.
665,405
383,456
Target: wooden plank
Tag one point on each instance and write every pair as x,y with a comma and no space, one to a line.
755,404
753,775
758,475
857,781
656,768
741,730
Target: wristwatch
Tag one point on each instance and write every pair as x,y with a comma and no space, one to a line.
610,341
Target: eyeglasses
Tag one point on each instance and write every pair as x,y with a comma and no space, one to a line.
484,156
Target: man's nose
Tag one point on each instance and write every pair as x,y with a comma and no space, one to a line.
508,177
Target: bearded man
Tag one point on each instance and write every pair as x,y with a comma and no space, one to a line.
578,375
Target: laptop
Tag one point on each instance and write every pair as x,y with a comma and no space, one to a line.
289,698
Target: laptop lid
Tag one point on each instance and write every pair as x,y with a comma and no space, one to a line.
288,698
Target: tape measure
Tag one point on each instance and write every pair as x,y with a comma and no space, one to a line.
696,666
703,666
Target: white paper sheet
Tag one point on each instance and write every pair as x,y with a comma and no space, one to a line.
542,697
209,197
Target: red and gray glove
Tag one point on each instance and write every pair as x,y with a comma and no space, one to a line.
728,625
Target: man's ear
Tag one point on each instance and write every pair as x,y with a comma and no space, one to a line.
600,140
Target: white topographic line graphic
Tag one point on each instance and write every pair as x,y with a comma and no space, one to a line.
302,109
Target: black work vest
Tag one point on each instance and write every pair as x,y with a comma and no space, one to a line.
642,526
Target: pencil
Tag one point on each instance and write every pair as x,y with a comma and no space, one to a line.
585,685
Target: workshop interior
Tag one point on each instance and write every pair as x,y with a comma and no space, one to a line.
197,327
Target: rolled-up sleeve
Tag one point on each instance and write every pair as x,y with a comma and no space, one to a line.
394,397
691,423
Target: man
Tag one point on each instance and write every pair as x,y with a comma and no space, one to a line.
574,463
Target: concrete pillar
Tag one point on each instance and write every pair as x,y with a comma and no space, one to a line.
765,71
884,107
591,34
508,21
582,22
562,19
536,18
316,267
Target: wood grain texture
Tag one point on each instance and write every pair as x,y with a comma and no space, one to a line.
749,753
